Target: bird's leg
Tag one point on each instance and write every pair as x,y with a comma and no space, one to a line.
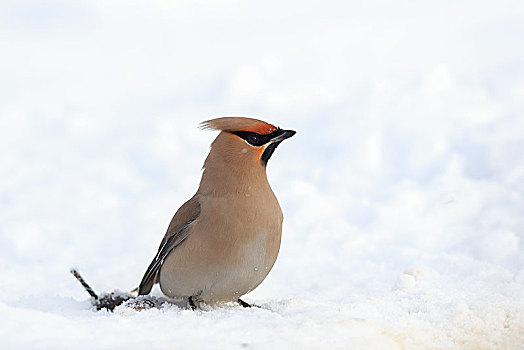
191,303
243,303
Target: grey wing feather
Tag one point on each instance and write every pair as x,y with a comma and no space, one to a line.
176,234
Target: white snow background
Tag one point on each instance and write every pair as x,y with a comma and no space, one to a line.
403,190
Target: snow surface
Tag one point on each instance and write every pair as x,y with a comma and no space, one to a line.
403,190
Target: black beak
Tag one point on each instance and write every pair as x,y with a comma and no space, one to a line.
273,143
285,134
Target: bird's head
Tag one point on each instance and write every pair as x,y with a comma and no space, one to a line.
246,140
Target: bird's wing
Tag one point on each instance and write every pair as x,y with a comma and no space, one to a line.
177,232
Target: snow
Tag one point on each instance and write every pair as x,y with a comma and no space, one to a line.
403,190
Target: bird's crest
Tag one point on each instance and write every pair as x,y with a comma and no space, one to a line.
238,124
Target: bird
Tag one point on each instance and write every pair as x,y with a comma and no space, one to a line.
223,242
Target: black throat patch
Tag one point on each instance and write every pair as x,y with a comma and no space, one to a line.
268,152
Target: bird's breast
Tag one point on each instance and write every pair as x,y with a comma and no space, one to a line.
232,246
242,218
248,233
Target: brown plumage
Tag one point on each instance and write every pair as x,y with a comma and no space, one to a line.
223,242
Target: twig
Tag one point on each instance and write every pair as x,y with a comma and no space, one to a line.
106,300
84,284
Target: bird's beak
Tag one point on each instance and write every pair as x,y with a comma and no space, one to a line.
285,134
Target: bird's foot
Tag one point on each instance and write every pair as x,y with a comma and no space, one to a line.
244,304
191,303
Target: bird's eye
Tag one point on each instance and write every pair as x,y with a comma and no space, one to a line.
253,139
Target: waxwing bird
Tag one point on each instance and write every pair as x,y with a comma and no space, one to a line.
222,243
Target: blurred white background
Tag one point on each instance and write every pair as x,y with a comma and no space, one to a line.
408,161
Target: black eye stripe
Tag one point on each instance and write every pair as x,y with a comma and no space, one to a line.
252,137
256,139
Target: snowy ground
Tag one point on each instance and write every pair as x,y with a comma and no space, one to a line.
403,190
